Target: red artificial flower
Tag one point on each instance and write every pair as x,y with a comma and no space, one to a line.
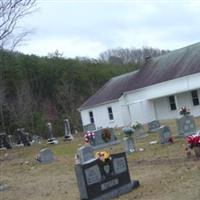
193,140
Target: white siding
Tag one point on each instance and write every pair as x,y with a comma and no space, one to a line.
101,117
126,117
163,110
143,111
178,85
185,99
147,104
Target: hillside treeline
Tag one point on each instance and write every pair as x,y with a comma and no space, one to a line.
36,90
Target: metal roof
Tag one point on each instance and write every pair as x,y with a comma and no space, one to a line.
175,64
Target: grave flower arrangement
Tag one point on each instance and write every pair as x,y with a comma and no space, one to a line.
106,136
89,137
193,142
136,125
105,159
184,111
102,155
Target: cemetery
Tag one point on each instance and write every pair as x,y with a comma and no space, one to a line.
90,111
106,163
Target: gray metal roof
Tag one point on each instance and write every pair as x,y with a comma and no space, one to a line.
175,64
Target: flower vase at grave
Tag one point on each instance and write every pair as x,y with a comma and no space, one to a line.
128,131
193,142
128,141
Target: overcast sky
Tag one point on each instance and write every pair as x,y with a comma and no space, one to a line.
89,27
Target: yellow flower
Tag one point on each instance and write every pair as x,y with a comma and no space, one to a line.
102,155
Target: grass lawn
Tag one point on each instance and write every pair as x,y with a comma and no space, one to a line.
164,171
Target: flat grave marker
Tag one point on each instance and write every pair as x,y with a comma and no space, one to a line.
45,156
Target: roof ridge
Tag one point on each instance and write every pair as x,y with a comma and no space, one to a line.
177,63
175,50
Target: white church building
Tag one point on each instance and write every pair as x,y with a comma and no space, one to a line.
157,91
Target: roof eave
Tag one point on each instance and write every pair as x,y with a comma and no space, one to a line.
95,105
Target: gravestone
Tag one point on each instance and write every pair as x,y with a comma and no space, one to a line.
23,137
89,127
5,141
51,139
186,125
140,132
164,134
85,153
45,156
104,137
68,136
50,132
129,145
36,139
154,126
98,180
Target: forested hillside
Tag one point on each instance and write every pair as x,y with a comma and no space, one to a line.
35,90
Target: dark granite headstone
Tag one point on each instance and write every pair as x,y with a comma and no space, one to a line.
154,126
23,137
5,141
99,180
186,125
89,127
165,134
104,137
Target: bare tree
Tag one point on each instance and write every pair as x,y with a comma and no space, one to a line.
129,56
11,14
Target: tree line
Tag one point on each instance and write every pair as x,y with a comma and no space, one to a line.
36,90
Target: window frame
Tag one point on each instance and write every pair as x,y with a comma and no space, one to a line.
91,117
172,102
195,97
110,113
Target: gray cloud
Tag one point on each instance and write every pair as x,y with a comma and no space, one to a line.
96,25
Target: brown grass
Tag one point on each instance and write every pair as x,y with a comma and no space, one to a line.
164,171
